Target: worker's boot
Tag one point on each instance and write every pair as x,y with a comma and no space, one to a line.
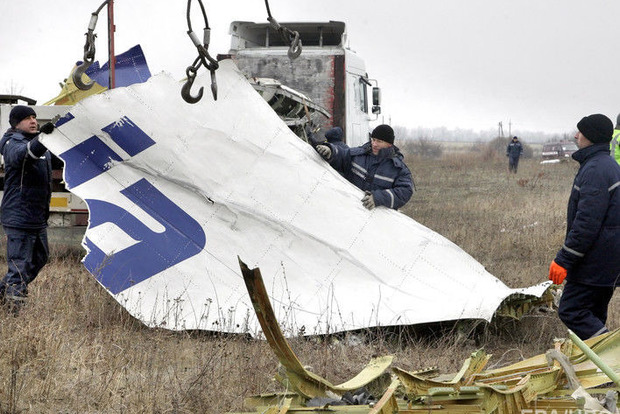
14,304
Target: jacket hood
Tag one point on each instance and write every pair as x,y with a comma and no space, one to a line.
334,135
7,135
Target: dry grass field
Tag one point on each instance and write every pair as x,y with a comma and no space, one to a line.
74,350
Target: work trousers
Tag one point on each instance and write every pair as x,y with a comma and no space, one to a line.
583,308
513,164
26,254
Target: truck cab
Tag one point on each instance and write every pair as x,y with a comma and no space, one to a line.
327,71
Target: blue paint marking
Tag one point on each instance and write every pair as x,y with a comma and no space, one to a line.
182,238
131,67
66,118
92,157
87,160
128,136
154,252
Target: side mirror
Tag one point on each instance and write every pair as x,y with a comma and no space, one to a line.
376,96
376,100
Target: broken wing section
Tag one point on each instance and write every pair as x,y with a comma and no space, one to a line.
177,191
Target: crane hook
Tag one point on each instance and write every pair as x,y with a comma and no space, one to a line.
186,89
77,77
89,57
295,49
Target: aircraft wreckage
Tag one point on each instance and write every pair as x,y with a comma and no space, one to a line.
563,380
176,192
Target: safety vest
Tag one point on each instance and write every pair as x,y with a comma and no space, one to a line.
614,146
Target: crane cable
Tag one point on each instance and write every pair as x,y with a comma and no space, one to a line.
89,52
203,59
290,37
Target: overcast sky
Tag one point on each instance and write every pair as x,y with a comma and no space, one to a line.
540,64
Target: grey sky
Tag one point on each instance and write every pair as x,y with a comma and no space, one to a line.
541,64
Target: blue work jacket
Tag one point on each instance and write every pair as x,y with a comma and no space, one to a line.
385,175
590,250
514,150
27,181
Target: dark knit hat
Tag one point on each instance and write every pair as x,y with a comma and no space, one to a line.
597,128
334,134
19,113
384,133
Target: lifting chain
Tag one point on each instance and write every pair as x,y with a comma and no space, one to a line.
289,37
89,52
203,59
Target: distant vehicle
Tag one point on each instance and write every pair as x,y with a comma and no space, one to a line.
558,151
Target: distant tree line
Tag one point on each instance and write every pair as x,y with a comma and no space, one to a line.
422,147
427,148
469,135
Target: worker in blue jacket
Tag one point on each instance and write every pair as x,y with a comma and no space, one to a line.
25,203
376,167
589,259
335,137
514,150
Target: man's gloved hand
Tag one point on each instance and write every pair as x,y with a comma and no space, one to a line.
312,139
557,273
47,128
36,148
368,200
324,151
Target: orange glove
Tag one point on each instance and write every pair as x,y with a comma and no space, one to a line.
557,273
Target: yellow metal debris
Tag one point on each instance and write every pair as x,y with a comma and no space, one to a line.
555,382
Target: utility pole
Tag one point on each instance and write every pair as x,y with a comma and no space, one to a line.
510,128
500,130
111,56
